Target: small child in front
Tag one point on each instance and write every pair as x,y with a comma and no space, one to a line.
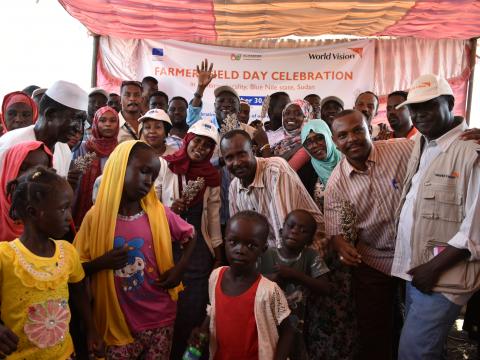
248,316
298,270
36,271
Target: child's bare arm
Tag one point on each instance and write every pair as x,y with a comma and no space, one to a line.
319,285
80,300
112,260
285,339
172,277
8,341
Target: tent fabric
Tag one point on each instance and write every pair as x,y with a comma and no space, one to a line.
247,20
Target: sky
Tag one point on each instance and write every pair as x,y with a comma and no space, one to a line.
42,43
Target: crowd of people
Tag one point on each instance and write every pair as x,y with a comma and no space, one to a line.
133,228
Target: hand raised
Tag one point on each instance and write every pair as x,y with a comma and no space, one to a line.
205,75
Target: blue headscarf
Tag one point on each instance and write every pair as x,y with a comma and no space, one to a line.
323,167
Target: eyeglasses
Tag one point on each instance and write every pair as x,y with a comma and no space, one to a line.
309,141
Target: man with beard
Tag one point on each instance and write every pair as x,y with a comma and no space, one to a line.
61,110
268,186
96,99
177,110
399,119
131,97
370,178
114,102
330,106
438,237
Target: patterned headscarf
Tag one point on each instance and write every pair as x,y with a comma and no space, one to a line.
292,137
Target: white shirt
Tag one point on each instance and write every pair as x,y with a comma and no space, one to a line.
468,236
62,154
126,132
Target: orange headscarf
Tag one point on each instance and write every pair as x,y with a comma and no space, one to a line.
14,98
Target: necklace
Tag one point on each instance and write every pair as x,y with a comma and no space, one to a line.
288,260
45,273
132,217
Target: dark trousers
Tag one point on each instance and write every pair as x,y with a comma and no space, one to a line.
374,294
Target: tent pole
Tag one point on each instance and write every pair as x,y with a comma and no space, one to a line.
96,42
473,55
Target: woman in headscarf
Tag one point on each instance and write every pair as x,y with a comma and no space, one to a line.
331,325
18,159
18,111
202,210
105,128
317,140
294,116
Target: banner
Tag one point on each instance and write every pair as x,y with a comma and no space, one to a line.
343,70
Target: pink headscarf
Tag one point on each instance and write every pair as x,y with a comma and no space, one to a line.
14,98
9,230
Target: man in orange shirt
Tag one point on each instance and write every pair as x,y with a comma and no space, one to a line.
399,119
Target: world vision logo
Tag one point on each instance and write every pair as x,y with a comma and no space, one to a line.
345,55
453,175
424,84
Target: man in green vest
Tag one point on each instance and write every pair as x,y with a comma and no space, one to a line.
438,239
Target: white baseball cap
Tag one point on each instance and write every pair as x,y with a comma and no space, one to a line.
68,94
205,128
425,88
332,98
97,90
156,114
225,88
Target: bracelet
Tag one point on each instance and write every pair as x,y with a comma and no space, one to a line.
264,147
197,95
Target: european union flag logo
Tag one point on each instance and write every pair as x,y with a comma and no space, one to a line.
157,54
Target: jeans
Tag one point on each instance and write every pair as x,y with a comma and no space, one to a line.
428,321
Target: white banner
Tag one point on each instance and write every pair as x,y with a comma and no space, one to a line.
343,70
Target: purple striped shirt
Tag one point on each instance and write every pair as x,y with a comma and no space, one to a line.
375,194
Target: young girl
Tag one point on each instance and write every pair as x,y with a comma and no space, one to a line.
154,128
298,270
248,316
125,242
202,211
18,159
102,142
35,271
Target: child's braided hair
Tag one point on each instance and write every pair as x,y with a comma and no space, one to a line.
31,188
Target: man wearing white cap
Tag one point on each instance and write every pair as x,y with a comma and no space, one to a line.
62,107
438,236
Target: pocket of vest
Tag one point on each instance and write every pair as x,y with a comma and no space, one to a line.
448,206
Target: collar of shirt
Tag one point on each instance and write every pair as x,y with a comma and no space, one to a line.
372,159
258,179
446,139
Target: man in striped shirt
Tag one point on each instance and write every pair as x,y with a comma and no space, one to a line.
370,177
268,186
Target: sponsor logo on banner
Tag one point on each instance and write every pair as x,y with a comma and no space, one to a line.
157,54
344,55
237,57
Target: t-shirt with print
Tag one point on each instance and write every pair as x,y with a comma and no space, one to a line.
34,298
309,263
144,304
